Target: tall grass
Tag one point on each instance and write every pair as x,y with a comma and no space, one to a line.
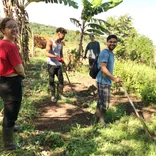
138,78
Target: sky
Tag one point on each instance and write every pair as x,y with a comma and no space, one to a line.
141,11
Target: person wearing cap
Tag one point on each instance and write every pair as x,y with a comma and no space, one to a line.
54,52
94,48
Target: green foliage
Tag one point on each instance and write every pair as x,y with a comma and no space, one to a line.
50,139
138,78
121,26
96,2
49,31
93,8
66,2
148,92
42,29
90,9
80,146
97,27
115,113
132,45
1,104
140,49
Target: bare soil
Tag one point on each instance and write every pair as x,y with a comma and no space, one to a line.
60,117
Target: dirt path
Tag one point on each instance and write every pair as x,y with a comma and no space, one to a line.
61,117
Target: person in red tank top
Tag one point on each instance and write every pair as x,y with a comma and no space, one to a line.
11,75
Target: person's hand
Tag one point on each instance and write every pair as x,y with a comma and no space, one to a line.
117,80
60,59
84,57
23,76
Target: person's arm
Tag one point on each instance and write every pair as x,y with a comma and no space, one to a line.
48,49
98,48
20,70
60,59
107,73
61,52
63,42
86,50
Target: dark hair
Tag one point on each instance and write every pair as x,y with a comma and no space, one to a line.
91,36
112,36
61,30
4,22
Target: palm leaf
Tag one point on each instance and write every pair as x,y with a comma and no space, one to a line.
109,5
89,10
86,3
76,22
99,21
96,3
66,2
98,27
98,32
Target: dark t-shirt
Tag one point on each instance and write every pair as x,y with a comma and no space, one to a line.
93,47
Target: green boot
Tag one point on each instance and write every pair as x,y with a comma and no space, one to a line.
8,140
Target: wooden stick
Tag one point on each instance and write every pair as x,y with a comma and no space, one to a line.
137,114
67,76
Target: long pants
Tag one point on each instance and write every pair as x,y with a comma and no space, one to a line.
91,61
11,93
55,70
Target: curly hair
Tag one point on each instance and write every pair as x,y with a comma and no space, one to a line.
61,30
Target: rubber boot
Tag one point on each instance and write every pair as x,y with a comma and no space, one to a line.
60,92
100,116
8,139
96,116
53,96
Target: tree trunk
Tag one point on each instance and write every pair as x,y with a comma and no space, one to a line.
81,50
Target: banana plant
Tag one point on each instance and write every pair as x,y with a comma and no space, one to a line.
65,2
88,24
17,10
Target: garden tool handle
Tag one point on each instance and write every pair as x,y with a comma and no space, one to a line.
138,116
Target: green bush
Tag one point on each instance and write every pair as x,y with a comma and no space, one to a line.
148,93
137,78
